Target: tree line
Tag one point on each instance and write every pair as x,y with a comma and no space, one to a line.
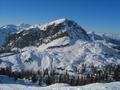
107,73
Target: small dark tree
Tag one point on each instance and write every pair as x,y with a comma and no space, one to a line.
34,78
117,73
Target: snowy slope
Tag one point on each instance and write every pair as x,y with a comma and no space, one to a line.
108,37
96,86
68,57
6,30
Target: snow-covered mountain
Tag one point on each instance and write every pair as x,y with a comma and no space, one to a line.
6,30
59,44
66,30
108,37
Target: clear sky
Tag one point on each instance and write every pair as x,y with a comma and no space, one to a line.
92,15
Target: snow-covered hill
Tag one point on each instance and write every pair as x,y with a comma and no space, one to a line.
58,44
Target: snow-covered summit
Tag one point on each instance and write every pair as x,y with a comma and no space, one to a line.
43,26
62,20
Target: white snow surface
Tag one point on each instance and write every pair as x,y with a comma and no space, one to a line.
95,86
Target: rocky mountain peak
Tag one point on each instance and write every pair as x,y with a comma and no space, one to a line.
44,34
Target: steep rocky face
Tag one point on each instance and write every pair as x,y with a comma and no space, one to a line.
46,33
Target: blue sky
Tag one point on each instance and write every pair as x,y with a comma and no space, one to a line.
92,15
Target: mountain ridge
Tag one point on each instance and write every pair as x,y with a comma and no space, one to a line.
47,33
